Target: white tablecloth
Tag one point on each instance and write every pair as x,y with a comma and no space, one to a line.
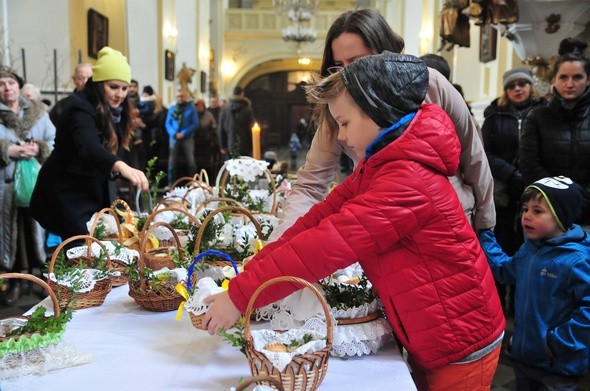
135,349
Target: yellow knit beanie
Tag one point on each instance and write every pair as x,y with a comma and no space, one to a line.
111,65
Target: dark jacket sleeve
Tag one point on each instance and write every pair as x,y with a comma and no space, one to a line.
530,149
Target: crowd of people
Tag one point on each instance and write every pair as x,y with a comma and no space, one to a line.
441,219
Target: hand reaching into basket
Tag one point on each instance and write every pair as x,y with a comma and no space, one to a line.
136,177
222,313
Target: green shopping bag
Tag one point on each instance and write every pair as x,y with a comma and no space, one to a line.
25,177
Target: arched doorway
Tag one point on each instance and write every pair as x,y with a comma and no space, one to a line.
279,102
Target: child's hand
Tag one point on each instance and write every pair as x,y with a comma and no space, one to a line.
222,313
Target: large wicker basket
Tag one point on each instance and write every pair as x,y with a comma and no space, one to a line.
197,320
304,372
235,210
30,341
163,297
96,296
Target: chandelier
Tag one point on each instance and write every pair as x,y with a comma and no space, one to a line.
299,14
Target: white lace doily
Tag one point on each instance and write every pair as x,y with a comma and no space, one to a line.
116,253
263,338
246,168
356,312
205,288
361,339
178,274
83,279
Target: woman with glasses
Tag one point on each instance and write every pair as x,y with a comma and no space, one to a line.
556,138
501,132
359,33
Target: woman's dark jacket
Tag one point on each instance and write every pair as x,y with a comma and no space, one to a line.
556,141
73,183
501,132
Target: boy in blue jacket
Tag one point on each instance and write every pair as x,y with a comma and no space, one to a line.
551,271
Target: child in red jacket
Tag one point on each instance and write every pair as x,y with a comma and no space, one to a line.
399,217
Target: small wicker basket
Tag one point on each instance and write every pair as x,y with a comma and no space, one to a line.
176,208
197,320
236,210
96,296
24,342
305,372
164,297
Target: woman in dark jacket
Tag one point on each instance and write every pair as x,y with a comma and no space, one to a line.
556,138
501,133
93,136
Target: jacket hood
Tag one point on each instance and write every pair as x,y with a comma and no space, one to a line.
237,103
573,235
430,139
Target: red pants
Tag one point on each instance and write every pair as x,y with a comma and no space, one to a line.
473,376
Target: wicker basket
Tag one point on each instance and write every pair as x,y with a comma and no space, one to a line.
223,201
224,176
159,257
164,297
197,320
116,265
192,182
236,210
176,208
304,372
96,296
30,341
272,380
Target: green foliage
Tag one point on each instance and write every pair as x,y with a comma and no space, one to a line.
99,231
236,336
39,323
296,343
153,181
345,296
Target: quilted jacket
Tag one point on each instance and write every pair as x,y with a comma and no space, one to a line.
399,216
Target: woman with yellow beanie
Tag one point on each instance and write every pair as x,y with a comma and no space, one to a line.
91,146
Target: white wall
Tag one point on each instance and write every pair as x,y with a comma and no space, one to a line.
143,36
39,35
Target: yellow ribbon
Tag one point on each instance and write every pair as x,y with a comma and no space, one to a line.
225,284
258,246
181,289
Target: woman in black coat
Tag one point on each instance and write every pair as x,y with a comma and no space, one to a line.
556,138
501,132
92,140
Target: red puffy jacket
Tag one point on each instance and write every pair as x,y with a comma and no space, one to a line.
398,215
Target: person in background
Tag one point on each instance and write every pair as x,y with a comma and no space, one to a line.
82,73
33,94
235,125
501,131
133,95
92,143
556,138
439,63
26,132
362,32
439,295
215,108
551,270
181,124
149,115
207,137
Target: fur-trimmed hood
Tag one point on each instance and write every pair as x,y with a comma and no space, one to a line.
21,126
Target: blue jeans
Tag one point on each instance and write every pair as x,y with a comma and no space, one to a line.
187,146
536,379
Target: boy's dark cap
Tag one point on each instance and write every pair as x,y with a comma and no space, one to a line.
387,86
564,198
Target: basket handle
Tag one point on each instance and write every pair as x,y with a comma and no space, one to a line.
202,176
38,281
201,256
142,250
152,216
111,212
88,239
218,199
233,208
137,197
275,380
297,280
